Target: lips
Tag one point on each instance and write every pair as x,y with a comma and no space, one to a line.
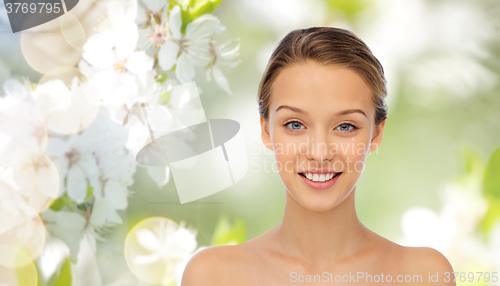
315,179
319,177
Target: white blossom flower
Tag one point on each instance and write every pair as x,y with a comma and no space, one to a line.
28,175
193,46
66,110
15,90
168,244
112,52
20,123
224,54
21,228
97,157
152,10
68,226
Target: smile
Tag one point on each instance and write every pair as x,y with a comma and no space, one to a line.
320,181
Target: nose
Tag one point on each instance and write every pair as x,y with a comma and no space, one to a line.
320,148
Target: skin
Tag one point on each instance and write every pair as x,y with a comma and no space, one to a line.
320,231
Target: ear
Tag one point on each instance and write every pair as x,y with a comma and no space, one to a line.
377,136
265,135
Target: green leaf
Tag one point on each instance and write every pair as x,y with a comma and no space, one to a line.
225,233
204,7
90,192
185,4
349,8
491,190
491,217
172,3
58,204
474,164
63,276
195,9
491,181
64,200
162,78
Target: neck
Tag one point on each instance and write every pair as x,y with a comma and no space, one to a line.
321,238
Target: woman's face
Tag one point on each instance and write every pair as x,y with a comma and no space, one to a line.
320,127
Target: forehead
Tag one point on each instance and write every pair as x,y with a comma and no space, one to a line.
321,89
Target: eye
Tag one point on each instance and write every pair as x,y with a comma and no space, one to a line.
346,127
295,125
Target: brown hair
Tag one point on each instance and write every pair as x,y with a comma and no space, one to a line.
330,46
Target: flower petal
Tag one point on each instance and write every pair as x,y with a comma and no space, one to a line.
139,63
127,36
96,184
167,55
202,27
175,22
56,147
76,184
67,226
148,240
116,194
184,240
103,212
155,6
89,164
221,80
146,259
98,50
185,69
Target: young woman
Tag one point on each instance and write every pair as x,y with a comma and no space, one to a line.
322,108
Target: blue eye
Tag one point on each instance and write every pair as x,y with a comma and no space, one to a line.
295,125
346,127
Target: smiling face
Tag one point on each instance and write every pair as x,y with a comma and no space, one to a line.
321,126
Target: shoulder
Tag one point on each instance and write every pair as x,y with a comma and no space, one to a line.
420,263
204,266
428,261
426,257
415,258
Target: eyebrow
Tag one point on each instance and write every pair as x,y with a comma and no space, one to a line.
343,112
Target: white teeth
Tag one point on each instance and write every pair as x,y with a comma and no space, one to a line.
315,177
319,177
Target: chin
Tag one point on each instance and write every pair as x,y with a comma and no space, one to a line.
317,202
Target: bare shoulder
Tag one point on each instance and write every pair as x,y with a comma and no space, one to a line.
223,265
423,258
421,264
426,258
428,261
213,265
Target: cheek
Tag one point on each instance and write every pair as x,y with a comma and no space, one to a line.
287,150
353,151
